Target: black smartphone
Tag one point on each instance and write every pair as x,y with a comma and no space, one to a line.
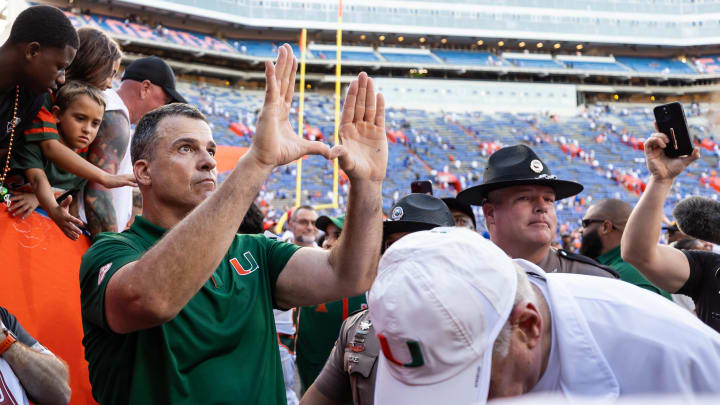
670,119
422,187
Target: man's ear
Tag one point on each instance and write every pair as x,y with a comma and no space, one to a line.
31,50
141,170
145,87
489,212
526,318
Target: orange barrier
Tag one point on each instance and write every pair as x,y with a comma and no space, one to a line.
227,156
40,286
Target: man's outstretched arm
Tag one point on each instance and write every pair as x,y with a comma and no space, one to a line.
43,376
152,290
664,266
313,276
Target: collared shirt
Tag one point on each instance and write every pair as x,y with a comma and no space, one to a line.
627,272
221,347
560,261
614,339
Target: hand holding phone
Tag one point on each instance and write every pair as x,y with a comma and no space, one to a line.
422,187
670,120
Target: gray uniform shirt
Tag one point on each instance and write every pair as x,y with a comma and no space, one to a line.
349,373
560,261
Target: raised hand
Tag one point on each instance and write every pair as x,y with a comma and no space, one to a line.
67,223
660,165
275,142
363,151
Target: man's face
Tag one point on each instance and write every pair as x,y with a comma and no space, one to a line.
153,96
182,169
303,226
332,234
79,122
521,215
462,220
46,66
592,244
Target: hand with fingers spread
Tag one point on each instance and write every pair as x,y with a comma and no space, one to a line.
660,165
67,223
275,142
363,152
23,204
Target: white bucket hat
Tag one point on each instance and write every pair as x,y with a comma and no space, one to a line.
438,303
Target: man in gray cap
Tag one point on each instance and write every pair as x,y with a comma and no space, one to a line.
518,197
349,373
147,84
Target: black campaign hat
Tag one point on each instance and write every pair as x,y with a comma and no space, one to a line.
417,212
455,204
158,72
513,166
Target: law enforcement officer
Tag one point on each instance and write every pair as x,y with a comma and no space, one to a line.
518,197
349,373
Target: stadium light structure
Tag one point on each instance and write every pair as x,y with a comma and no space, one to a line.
480,42
539,44
362,37
422,40
444,40
557,46
501,43
381,37
521,44
579,47
401,38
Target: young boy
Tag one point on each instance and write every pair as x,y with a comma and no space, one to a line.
78,111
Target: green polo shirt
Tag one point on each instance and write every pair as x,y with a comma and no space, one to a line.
627,272
221,348
318,329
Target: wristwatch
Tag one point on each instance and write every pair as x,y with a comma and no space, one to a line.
8,341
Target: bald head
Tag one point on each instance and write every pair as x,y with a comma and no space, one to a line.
614,210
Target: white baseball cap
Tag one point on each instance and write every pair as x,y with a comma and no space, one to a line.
438,303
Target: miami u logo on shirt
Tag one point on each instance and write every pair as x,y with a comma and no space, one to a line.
248,266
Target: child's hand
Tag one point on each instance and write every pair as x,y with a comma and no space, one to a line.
67,223
23,204
120,180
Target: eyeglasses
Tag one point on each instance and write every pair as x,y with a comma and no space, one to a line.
587,222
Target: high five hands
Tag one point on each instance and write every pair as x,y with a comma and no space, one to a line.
363,150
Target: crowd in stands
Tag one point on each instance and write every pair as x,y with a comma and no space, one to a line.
533,266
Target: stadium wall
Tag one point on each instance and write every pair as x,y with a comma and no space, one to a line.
462,96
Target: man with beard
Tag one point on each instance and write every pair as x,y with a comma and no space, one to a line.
602,229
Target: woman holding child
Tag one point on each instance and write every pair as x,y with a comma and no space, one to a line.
52,152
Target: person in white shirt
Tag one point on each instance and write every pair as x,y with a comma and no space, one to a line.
460,322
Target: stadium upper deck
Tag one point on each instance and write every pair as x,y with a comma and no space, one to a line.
646,22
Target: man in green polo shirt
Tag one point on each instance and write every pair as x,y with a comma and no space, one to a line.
319,325
603,226
178,309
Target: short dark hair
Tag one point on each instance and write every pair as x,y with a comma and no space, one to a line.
74,89
94,59
253,221
46,25
144,140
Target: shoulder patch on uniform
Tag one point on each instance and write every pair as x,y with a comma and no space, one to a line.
103,271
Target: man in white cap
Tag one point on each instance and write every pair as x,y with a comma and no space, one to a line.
460,322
